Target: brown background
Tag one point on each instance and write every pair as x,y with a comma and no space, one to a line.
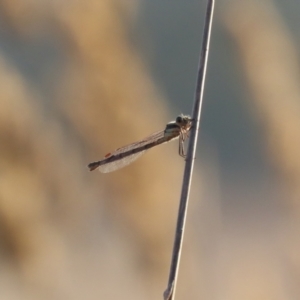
80,78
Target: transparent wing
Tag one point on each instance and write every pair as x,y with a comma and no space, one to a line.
117,159
140,144
118,164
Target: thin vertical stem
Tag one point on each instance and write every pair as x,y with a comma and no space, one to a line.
169,294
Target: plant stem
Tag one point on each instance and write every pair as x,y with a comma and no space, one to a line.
169,294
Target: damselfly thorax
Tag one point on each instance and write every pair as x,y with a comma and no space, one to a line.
123,156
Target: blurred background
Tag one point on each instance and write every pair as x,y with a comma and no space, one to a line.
81,78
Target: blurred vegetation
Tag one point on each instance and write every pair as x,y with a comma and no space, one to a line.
74,86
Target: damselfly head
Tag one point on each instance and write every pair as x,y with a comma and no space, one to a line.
184,121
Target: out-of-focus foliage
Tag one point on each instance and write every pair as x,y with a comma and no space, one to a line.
73,87
90,95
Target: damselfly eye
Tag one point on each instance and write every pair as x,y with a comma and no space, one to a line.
178,119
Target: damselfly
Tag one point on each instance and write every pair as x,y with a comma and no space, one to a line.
125,155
